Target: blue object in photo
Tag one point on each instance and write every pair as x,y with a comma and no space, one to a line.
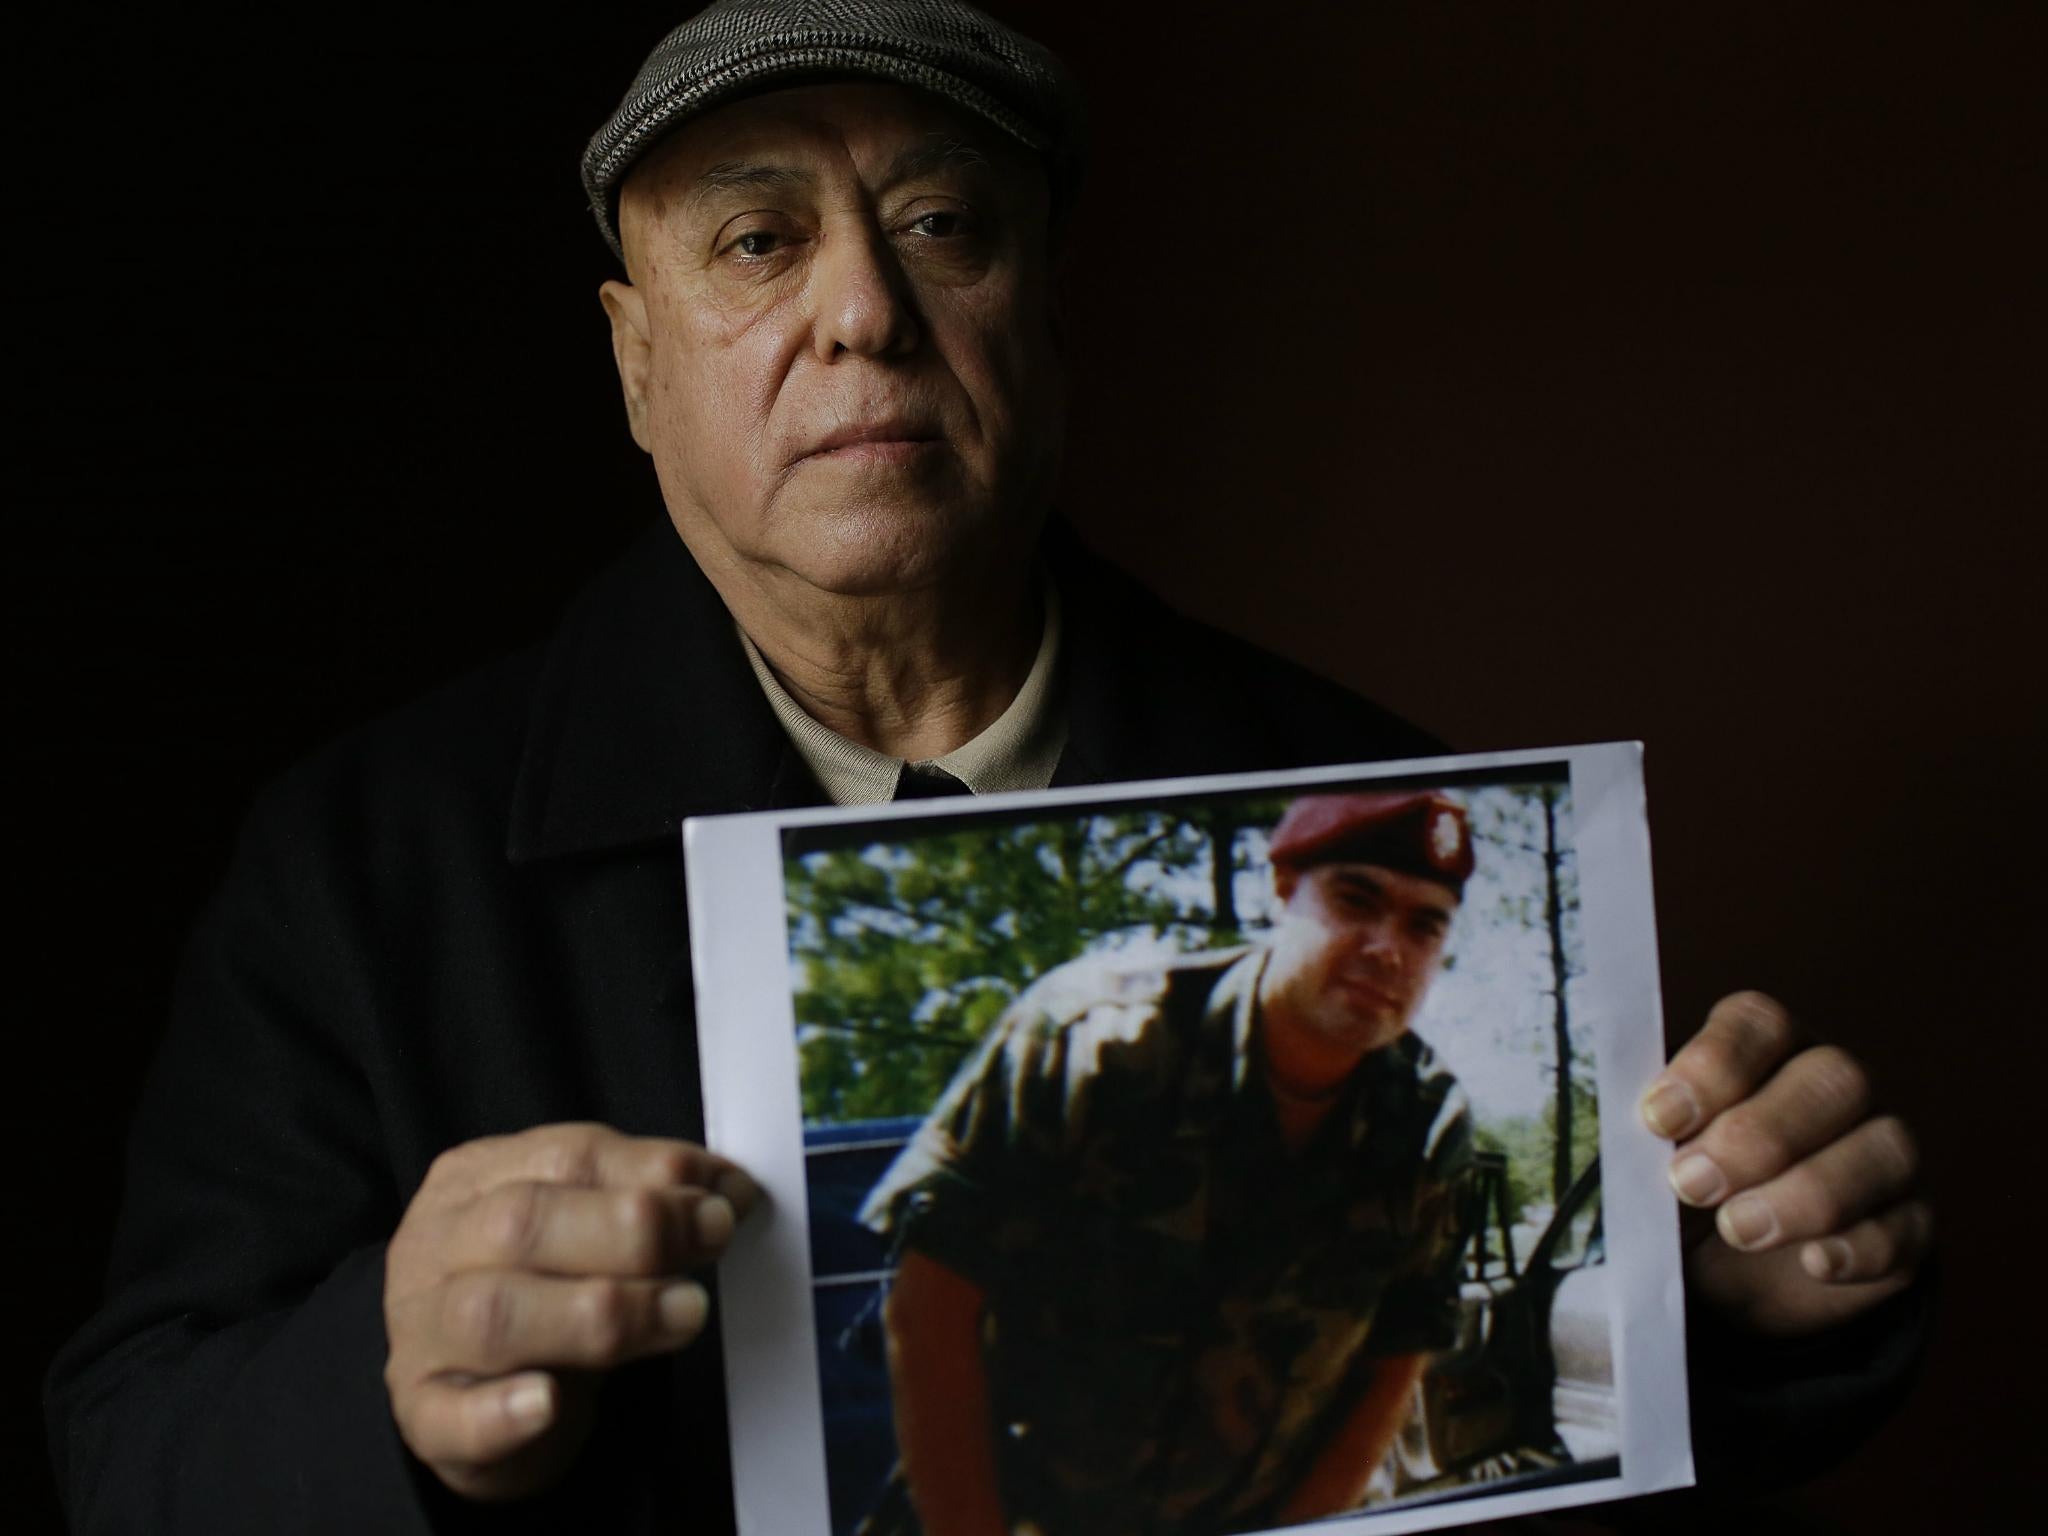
849,1278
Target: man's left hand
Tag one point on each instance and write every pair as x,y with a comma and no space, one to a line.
1815,1217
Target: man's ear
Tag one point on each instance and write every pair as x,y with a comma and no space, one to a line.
1284,878
632,350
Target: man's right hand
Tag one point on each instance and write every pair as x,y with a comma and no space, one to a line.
525,1266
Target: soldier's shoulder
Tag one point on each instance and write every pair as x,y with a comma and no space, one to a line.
1442,1112
1115,998
1112,979
1426,1065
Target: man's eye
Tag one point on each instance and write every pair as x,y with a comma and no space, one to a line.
1429,925
940,224
1358,900
756,243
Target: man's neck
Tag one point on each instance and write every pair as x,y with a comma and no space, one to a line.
911,674
1300,1063
1304,1073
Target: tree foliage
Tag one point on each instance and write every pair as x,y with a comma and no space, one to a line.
907,952
1524,837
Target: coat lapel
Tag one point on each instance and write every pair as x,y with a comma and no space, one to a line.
644,713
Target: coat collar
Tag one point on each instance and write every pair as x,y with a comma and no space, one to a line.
645,711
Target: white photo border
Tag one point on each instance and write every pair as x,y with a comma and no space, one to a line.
746,1026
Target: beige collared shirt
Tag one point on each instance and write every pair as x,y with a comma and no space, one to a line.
1018,750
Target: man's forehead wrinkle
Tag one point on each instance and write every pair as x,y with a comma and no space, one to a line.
745,176
939,151
771,143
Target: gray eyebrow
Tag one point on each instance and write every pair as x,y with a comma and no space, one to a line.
919,160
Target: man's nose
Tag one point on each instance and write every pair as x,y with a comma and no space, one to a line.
1381,942
862,298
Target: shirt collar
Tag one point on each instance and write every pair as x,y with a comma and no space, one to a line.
644,710
1234,1006
1019,749
1236,1000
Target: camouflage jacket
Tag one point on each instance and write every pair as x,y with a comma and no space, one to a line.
1179,1310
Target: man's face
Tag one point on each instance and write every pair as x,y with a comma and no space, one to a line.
1353,954
837,342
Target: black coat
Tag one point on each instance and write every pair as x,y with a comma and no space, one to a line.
469,919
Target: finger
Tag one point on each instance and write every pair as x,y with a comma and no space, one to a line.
1866,1170
1740,1045
586,1153
1815,1097
564,1229
492,1323
449,1423
1888,1244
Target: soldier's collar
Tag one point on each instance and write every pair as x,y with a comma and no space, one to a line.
1235,1005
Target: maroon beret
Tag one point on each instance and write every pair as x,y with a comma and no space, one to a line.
1416,832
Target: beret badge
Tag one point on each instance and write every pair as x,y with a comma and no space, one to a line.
1446,840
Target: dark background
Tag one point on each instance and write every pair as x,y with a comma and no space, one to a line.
1549,372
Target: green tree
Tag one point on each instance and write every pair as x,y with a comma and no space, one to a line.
907,952
1525,837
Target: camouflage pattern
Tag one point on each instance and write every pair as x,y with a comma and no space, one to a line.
1180,1311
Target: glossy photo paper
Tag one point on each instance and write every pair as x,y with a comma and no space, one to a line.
1206,1155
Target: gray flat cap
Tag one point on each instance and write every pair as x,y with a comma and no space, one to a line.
737,47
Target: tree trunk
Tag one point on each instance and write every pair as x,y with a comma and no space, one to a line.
1223,872
1553,913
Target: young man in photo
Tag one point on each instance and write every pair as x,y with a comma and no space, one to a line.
1176,1244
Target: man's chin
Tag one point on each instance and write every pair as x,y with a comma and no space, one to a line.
1375,1032
885,545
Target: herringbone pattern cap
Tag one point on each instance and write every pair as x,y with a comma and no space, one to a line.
736,47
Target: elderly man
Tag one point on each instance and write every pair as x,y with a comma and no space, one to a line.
1187,1234
414,1199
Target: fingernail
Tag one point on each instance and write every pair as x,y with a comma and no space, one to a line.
531,1402
1670,1109
1748,1222
1825,1259
1698,1179
714,1220
742,1191
683,1306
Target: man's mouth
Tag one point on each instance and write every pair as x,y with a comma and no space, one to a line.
895,441
1369,993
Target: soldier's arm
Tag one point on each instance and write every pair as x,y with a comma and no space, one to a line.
943,1430
1337,1478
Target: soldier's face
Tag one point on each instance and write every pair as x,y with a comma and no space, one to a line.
837,343
1354,952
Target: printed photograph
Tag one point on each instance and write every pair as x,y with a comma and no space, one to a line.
1202,1165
